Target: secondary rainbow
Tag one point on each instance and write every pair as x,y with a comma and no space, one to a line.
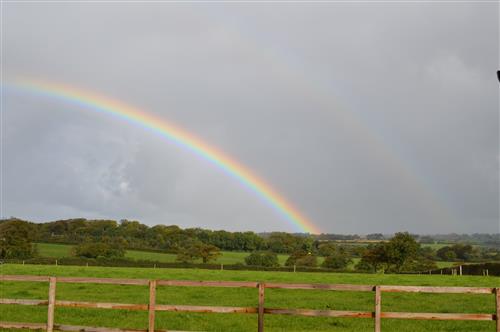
182,138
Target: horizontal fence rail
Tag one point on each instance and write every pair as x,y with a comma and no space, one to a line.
260,310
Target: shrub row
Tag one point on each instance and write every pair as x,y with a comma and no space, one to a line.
467,269
123,262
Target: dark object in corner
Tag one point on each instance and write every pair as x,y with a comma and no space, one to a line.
498,75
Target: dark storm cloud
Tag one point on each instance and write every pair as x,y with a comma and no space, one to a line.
380,117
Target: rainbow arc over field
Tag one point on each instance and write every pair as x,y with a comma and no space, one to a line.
93,101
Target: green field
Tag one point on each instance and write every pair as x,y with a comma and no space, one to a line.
435,246
313,299
54,250
228,257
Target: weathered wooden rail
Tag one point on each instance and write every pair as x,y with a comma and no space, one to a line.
152,307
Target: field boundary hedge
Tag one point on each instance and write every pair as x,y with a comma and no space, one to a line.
124,262
467,269
492,269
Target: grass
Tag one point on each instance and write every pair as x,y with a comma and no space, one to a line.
54,250
313,299
435,246
228,257
152,256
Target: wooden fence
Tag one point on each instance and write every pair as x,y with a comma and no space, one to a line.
152,307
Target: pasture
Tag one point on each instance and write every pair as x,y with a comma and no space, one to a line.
311,299
228,257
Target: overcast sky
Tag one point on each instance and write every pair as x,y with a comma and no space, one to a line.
376,117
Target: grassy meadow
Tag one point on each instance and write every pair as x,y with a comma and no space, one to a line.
313,299
228,257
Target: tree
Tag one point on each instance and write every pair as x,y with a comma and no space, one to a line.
308,261
400,249
373,259
446,253
292,259
187,255
268,259
458,251
327,249
393,255
364,266
337,260
302,258
198,250
16,238
426,239
375,236
284,243
427,253
108,248
209,252
464,251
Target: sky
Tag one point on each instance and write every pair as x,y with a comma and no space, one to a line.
366,117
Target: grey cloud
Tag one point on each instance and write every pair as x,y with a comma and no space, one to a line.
379,117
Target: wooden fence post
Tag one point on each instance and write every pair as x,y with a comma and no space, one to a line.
52,302
152,303
261,307
497,296
378,308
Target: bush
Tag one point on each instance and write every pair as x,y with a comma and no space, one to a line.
327,249
364,266
420,265
307,261
302,258
336,261
198,250
269,259
124,262
106,249
391,256
16,238
458,251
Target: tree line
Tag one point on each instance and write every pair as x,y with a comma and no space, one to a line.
110,239
134,235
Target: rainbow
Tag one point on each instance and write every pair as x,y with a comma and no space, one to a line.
175,134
